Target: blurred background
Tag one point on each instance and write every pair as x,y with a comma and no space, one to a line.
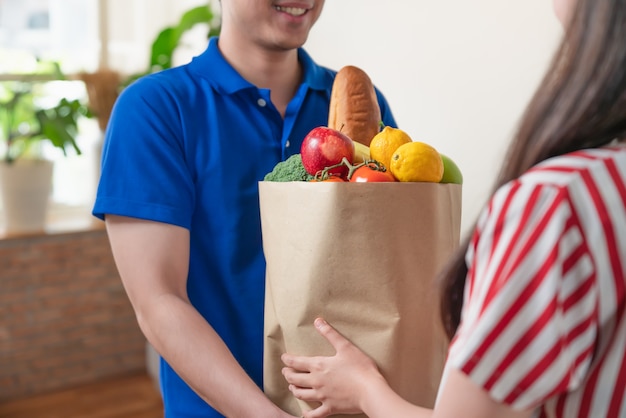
457,73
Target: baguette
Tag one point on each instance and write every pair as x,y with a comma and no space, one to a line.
354,108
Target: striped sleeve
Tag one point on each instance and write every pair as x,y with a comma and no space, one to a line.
530,318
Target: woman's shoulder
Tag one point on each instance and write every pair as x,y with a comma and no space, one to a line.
586,165
574,179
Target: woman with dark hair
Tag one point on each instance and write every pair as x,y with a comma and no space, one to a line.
534,300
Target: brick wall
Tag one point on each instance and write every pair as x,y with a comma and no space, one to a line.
64,316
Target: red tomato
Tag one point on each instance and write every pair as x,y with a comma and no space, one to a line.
333,179
366,174
329,179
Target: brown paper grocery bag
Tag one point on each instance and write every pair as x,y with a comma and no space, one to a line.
364,256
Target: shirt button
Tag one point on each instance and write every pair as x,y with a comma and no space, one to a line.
261,102
287,144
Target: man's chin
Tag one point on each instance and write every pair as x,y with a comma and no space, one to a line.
289,43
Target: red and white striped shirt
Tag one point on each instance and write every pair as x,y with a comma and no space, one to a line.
544,324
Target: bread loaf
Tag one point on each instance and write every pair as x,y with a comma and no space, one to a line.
354,108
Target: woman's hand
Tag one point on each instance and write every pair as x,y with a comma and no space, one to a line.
338,383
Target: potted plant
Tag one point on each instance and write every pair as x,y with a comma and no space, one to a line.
25,124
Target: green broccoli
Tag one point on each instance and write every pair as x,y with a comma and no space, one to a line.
289,170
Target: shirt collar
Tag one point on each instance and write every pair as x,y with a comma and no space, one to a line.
212,66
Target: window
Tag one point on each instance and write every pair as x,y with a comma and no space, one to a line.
59,30
66,32
83,36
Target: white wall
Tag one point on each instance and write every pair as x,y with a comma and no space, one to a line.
458,73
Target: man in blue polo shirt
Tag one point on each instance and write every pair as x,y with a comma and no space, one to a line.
183,153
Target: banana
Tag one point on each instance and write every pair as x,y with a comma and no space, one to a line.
361,152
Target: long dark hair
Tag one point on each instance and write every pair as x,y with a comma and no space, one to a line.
581,103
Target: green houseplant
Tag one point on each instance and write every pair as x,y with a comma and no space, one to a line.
26,123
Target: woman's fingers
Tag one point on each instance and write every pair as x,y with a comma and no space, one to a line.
304,394
310,396
327,331
297,362
293,377
335,382
308,364
320,412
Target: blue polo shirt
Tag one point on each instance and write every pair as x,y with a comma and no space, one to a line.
187,146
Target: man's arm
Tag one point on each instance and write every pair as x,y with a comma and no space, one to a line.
153,261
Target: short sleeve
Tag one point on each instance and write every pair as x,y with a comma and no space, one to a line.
529,320
144,172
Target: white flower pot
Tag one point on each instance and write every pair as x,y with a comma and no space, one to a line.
26,186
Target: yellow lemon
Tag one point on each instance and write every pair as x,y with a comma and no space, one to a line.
416,161
386,142
451,171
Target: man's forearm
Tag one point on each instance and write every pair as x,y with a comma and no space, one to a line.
191,346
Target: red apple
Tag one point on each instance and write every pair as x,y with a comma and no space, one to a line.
324,147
